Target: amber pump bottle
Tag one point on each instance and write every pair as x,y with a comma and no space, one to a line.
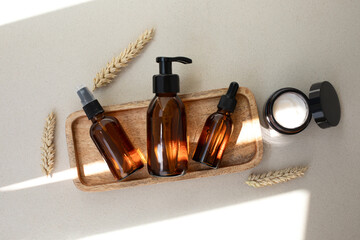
217,130
110,138
166,123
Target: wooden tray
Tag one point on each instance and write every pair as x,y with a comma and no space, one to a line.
244,150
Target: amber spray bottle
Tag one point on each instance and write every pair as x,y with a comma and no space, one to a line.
166,123
217,130
110,138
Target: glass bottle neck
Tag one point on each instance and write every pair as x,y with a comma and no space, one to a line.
165,94
224,112
98,117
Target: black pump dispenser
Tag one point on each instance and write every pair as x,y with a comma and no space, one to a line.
228,102
166,81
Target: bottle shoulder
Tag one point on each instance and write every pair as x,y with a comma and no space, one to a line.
217,118
106,120
165,104
220,116
152,104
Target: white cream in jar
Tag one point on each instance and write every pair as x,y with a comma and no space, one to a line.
290,110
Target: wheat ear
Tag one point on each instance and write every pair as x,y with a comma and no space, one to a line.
107,74
48,145
274,177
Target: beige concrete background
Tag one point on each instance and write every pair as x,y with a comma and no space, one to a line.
264,45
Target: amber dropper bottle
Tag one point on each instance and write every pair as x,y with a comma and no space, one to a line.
166,123
217,130
110,138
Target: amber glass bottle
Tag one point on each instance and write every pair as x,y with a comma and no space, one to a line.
166,124
217,130
110,138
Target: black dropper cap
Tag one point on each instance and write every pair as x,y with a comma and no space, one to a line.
166,81
228,102
90,104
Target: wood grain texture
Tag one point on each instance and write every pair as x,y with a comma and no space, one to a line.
244,151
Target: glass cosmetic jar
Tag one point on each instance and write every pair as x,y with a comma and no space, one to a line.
289,111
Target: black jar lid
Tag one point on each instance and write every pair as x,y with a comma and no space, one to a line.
324,104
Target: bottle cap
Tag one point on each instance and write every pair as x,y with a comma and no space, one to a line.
228,102
324,104
90,104
166,81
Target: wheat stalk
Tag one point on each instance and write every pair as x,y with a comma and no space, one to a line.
48,145
107,74
274,177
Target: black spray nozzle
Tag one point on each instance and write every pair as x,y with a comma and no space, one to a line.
90,104
228,102
85,95
165,63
